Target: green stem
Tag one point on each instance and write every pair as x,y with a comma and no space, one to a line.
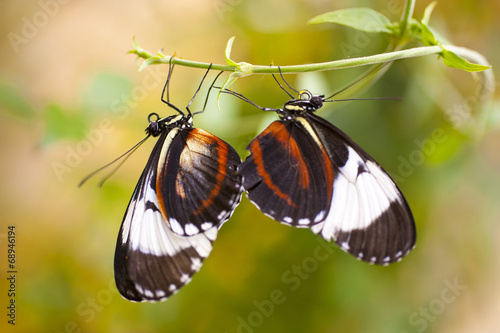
405,19
352,62
196,64
247,69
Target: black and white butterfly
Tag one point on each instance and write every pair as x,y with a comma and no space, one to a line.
304,172
188,189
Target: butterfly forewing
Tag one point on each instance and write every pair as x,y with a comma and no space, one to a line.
198,185
284,185
369,216
188,189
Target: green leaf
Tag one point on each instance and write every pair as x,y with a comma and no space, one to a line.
242,69
136,45
364,19
451,59
141,53
153,60
139,50
427,36
228,52
415,28
428,12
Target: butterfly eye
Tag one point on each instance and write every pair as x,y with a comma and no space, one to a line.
153,127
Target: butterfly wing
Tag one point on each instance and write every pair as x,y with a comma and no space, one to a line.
155,255
282,183
198,184
369,216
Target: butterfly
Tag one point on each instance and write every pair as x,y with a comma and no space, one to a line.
188,189
305,172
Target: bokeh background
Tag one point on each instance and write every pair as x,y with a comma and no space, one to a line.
71,100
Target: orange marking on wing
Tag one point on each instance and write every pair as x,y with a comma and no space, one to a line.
259,163
284,138
179,188
328,173
158,183
222,151
159,196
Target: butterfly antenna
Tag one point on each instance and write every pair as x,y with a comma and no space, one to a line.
208,93
167,87
246,99
167,83
288,84
365,99
361,78
125,156
281,86
197,90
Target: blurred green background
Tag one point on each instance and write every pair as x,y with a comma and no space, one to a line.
71,100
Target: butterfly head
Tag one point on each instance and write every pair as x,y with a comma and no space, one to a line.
157,125
306,102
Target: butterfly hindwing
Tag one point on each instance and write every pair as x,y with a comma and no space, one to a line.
284,185
369,216
152,260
